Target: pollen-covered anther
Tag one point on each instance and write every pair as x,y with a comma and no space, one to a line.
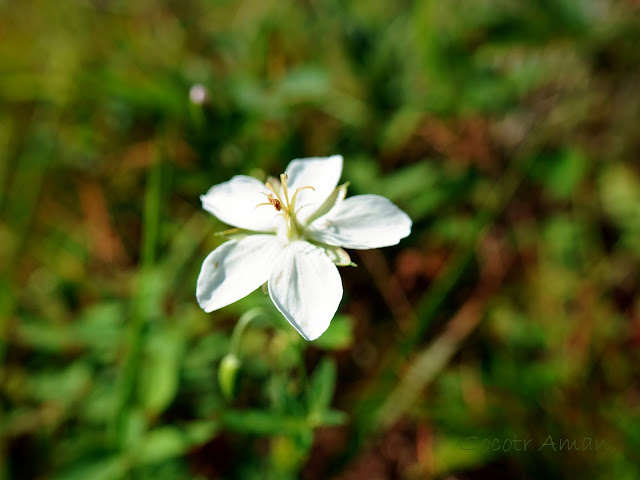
275,200
272,201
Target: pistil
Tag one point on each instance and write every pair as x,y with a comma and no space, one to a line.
286,205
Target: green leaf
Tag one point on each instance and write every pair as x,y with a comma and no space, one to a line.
64,386
288,453
560,172
454,454
331,418
410,182
321,387
110,468
338,336
400,128
304,85
620,195
160,371
262,423
170,442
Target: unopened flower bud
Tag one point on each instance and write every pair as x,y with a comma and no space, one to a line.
198,94
227,373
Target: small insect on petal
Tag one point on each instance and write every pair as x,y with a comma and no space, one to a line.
277,204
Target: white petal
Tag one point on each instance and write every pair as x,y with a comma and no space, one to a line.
306,287
321,173
235,269
235,202
362,222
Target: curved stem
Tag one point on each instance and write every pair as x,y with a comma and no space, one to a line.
240,327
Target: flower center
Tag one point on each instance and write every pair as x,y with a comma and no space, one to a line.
286,205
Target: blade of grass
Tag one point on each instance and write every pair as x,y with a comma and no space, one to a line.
140,308
18,205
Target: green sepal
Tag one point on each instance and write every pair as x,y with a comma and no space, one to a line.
336,254
335,198
235,233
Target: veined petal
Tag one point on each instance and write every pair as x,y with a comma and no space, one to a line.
235,202
362,222
235,269
321,173
306,287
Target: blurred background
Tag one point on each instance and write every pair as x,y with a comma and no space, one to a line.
509,132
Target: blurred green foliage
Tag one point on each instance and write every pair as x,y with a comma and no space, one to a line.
510,133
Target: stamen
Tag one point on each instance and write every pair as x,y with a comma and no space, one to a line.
298,190
286,207
283,180
268,185
295,196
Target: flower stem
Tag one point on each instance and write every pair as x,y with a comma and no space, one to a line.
241,326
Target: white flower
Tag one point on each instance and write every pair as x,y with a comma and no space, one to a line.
289,234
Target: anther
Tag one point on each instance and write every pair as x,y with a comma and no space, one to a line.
272,201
